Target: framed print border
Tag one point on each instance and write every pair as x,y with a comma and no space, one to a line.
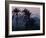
7,18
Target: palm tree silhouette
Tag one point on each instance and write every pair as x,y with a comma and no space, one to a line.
27,13
16,12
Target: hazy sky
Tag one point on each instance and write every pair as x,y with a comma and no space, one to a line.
33,10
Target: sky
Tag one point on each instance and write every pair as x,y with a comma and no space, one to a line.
33,10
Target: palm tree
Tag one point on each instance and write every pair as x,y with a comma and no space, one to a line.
27,13
15,11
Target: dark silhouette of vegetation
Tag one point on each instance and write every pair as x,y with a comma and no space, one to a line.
27,12
30,22
15,11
